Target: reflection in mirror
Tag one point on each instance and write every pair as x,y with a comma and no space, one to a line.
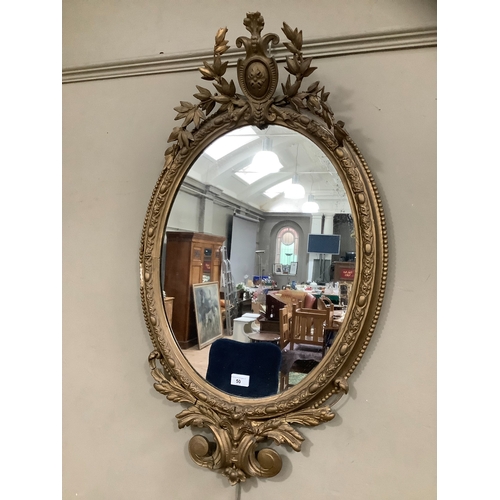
263,214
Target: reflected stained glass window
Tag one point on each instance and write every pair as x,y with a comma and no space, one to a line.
287,245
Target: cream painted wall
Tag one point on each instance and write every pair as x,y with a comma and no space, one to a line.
120,437
97,31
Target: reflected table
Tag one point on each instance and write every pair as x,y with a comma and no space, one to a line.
264,337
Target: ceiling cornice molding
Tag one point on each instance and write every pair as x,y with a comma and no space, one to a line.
191,61
197,188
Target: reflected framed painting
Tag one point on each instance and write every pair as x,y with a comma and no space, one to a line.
208,312
277,269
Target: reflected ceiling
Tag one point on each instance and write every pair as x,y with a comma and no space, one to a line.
227,164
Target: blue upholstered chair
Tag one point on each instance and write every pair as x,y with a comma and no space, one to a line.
259,361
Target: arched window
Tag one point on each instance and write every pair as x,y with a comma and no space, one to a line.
287,246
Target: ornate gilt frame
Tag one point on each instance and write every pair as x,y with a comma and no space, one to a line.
241,426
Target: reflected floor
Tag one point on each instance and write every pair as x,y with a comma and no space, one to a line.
198,358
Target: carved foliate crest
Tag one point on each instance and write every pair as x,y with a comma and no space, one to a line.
258,78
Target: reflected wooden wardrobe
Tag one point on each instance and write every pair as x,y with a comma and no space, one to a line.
191,258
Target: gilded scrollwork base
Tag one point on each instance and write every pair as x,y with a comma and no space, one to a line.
237,451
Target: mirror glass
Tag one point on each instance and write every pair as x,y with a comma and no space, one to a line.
271,204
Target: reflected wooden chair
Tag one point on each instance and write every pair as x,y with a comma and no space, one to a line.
333,325
306,345
307,326
285,317
324,303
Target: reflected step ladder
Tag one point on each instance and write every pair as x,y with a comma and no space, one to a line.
230,293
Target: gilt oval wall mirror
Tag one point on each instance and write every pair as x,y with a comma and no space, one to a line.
224,232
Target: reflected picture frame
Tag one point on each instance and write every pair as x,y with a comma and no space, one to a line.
293,268
207,312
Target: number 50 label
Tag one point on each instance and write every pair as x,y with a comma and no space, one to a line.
241,380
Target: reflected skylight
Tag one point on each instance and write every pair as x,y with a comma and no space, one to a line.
277,189
230,142
263,163
249,175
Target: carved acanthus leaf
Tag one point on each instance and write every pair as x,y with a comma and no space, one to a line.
197,416
169,387
311,416
281,432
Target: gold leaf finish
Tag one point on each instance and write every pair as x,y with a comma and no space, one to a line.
242,428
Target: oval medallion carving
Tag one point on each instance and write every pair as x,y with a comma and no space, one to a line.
257,78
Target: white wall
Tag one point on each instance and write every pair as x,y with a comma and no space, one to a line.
120,436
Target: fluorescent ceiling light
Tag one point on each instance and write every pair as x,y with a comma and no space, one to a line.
266,161
231,142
